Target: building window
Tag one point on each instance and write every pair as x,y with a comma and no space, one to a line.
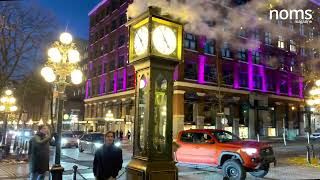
225,51
227,77
121,61
112,65
122,40
99,69
191,71
242,32
242,54
256,57
302,51
111,84
267,38
311,34
295,87
293,46
105,68
301,29
120,82
291,26
271,84
209,46
210,73
123,19
268,61
284,87
243,79
280,42
190,41
257,81
130,81
279,22
256,34
114,25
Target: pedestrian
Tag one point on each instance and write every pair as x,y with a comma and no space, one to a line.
121,134
128,135
108,159
39,153
117,134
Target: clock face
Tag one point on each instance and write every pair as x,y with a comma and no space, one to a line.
141,40
164,40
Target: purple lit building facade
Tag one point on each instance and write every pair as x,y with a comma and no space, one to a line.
261,89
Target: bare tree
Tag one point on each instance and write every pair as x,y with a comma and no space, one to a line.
24,33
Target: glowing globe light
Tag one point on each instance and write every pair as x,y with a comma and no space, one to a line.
12,100
65,38
310,102
50,78
3,99
48,74
13,108
142,84
2,108
73,56
76,76
54,55
8,92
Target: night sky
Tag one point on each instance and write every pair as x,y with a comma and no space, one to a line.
72,14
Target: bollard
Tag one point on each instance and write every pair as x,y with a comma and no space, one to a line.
308,155
312,150
75,167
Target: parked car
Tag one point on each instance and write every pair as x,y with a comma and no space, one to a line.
68,139
224,150
91,142
315,135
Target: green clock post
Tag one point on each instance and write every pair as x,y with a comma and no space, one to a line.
155,48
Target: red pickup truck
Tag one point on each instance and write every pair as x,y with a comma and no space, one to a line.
224,150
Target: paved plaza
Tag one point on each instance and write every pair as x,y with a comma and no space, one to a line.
71,157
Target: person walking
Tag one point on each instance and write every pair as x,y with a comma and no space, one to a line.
107,160
128,135
39,153
121,134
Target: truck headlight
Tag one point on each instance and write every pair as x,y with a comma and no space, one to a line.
250,151
97,145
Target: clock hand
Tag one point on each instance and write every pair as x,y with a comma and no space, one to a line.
164,38
140,39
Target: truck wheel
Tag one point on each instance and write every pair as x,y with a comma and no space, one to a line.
260,172
233,170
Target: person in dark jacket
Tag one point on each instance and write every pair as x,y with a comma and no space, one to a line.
39,153
108,159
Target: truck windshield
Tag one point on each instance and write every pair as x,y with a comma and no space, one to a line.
224,136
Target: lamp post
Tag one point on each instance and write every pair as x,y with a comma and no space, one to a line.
313,101
59,69
7,105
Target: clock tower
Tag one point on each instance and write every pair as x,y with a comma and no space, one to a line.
155,48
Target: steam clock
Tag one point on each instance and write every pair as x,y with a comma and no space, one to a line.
155,48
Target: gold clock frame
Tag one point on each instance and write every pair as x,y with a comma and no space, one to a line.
151,20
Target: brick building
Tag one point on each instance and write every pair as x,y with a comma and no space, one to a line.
259,91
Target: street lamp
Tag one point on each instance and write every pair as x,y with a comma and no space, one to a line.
7,106
61,69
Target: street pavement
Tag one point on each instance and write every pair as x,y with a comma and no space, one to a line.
71,157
